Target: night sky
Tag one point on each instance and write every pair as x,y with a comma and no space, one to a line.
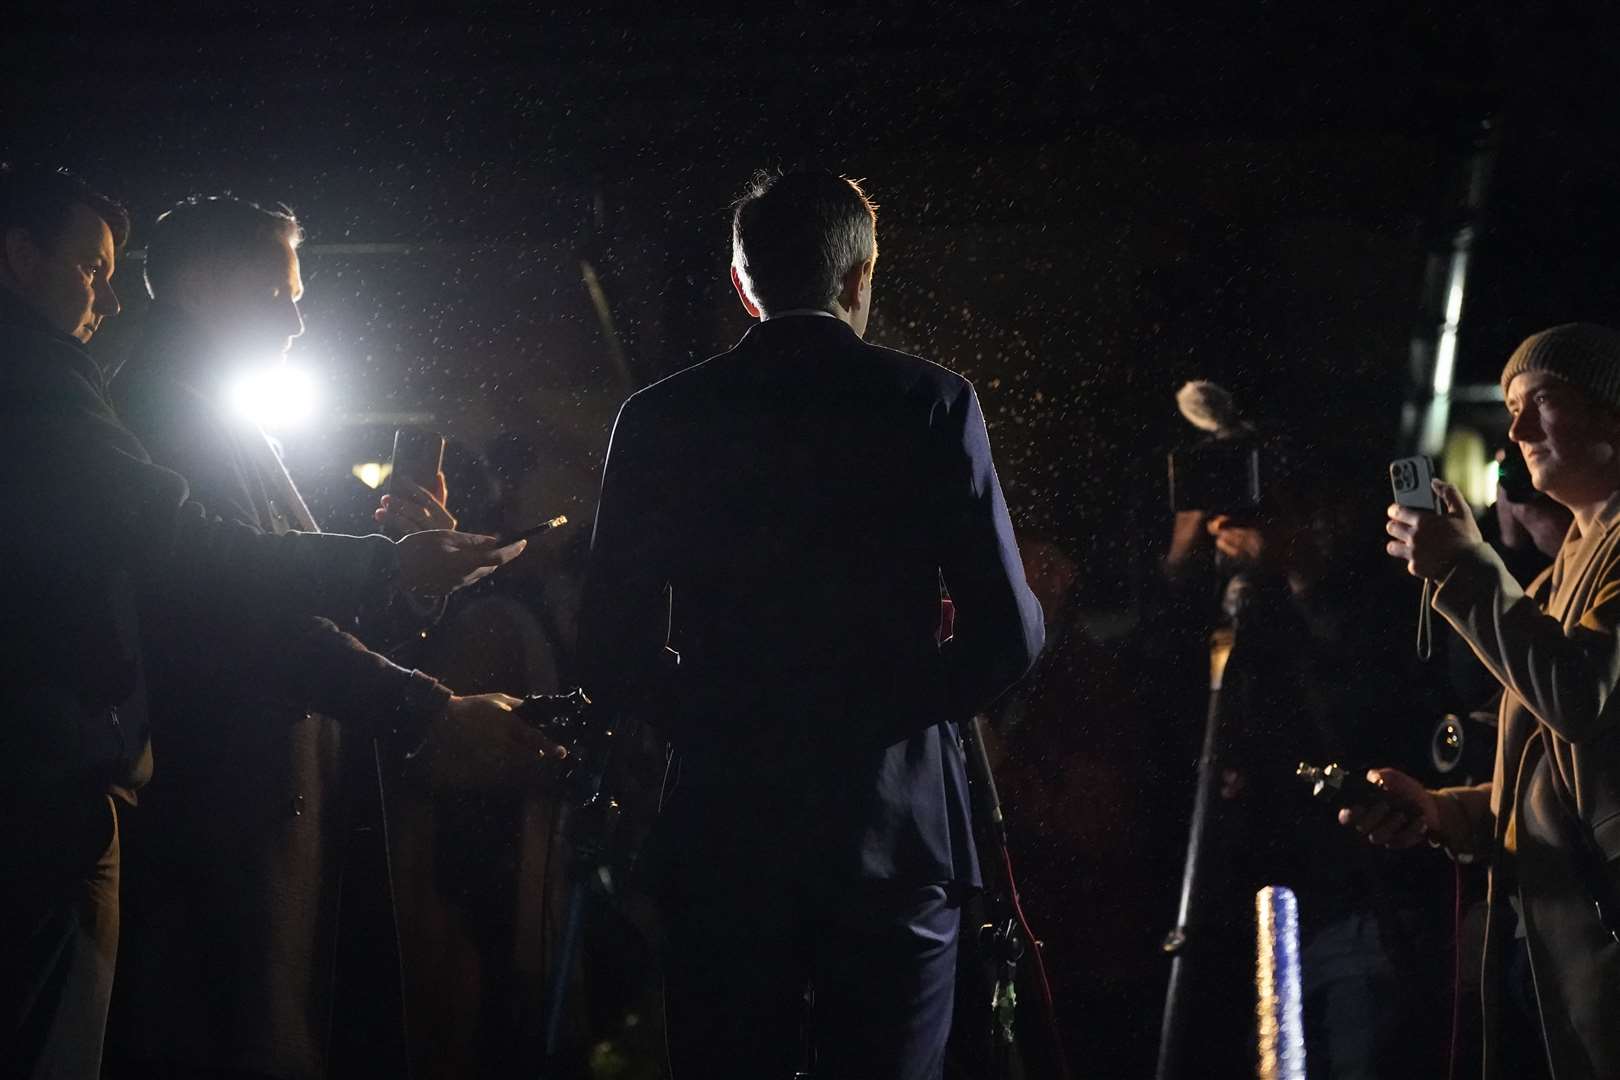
1077,211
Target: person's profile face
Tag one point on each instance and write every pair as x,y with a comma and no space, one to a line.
254,310
69,282
1559,431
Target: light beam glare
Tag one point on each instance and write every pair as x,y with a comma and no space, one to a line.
276,398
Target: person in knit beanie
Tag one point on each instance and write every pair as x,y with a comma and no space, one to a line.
1585,355
1549,822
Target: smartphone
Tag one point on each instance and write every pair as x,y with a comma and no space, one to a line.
1412,479
418,458
1513,481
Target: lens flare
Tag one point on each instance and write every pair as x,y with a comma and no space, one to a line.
276,398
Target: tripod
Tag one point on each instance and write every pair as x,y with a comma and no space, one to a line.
592,810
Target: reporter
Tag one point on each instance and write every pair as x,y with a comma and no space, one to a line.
1549,821
103,524
264,720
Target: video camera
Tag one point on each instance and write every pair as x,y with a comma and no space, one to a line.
1219,476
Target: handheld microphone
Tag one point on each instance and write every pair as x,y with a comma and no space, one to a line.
545,526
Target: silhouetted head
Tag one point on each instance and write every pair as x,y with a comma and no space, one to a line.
233,267
804,240
59,243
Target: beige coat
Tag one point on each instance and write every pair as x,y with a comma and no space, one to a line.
1556,651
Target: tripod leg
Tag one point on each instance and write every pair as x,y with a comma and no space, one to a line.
562,972
1177,942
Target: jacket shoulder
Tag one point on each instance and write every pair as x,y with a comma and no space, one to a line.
909,376
40,373
918,374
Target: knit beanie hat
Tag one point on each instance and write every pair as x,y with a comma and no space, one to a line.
1582,354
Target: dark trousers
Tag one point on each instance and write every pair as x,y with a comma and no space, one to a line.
58,941
874,961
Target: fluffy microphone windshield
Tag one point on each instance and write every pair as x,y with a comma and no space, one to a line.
1209,407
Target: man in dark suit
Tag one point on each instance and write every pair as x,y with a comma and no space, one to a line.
783,517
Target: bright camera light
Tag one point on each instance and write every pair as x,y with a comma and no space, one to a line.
276,398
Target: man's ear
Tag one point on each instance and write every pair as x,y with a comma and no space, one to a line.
742,294
22,255
857,287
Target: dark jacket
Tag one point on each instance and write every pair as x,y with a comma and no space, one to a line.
801,497
101,523
232,862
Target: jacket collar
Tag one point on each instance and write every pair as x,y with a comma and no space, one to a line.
18,317
1609,516
799,326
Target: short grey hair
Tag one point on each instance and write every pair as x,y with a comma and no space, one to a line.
796,236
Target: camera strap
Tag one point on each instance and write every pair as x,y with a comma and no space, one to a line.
1425,627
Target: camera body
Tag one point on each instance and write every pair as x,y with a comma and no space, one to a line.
1218,476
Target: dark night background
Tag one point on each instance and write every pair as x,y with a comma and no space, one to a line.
1079,210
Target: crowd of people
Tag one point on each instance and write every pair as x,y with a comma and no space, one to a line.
210,698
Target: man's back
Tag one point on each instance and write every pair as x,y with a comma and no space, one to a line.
801,496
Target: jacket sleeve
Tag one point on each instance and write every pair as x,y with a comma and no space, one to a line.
1466,814
999,626
1566,680
181,431
313,664
624,614
94,494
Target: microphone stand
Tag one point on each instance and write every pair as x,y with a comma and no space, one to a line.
1180,944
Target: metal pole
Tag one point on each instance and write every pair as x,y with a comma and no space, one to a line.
1177,941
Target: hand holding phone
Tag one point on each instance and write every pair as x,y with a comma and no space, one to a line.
412,499
1412,479
418,459
1430,523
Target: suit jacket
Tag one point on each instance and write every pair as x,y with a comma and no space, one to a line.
233,861
783,515
104,524
1555,649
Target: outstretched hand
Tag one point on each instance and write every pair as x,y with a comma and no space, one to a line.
1430,543
436,562
481,742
